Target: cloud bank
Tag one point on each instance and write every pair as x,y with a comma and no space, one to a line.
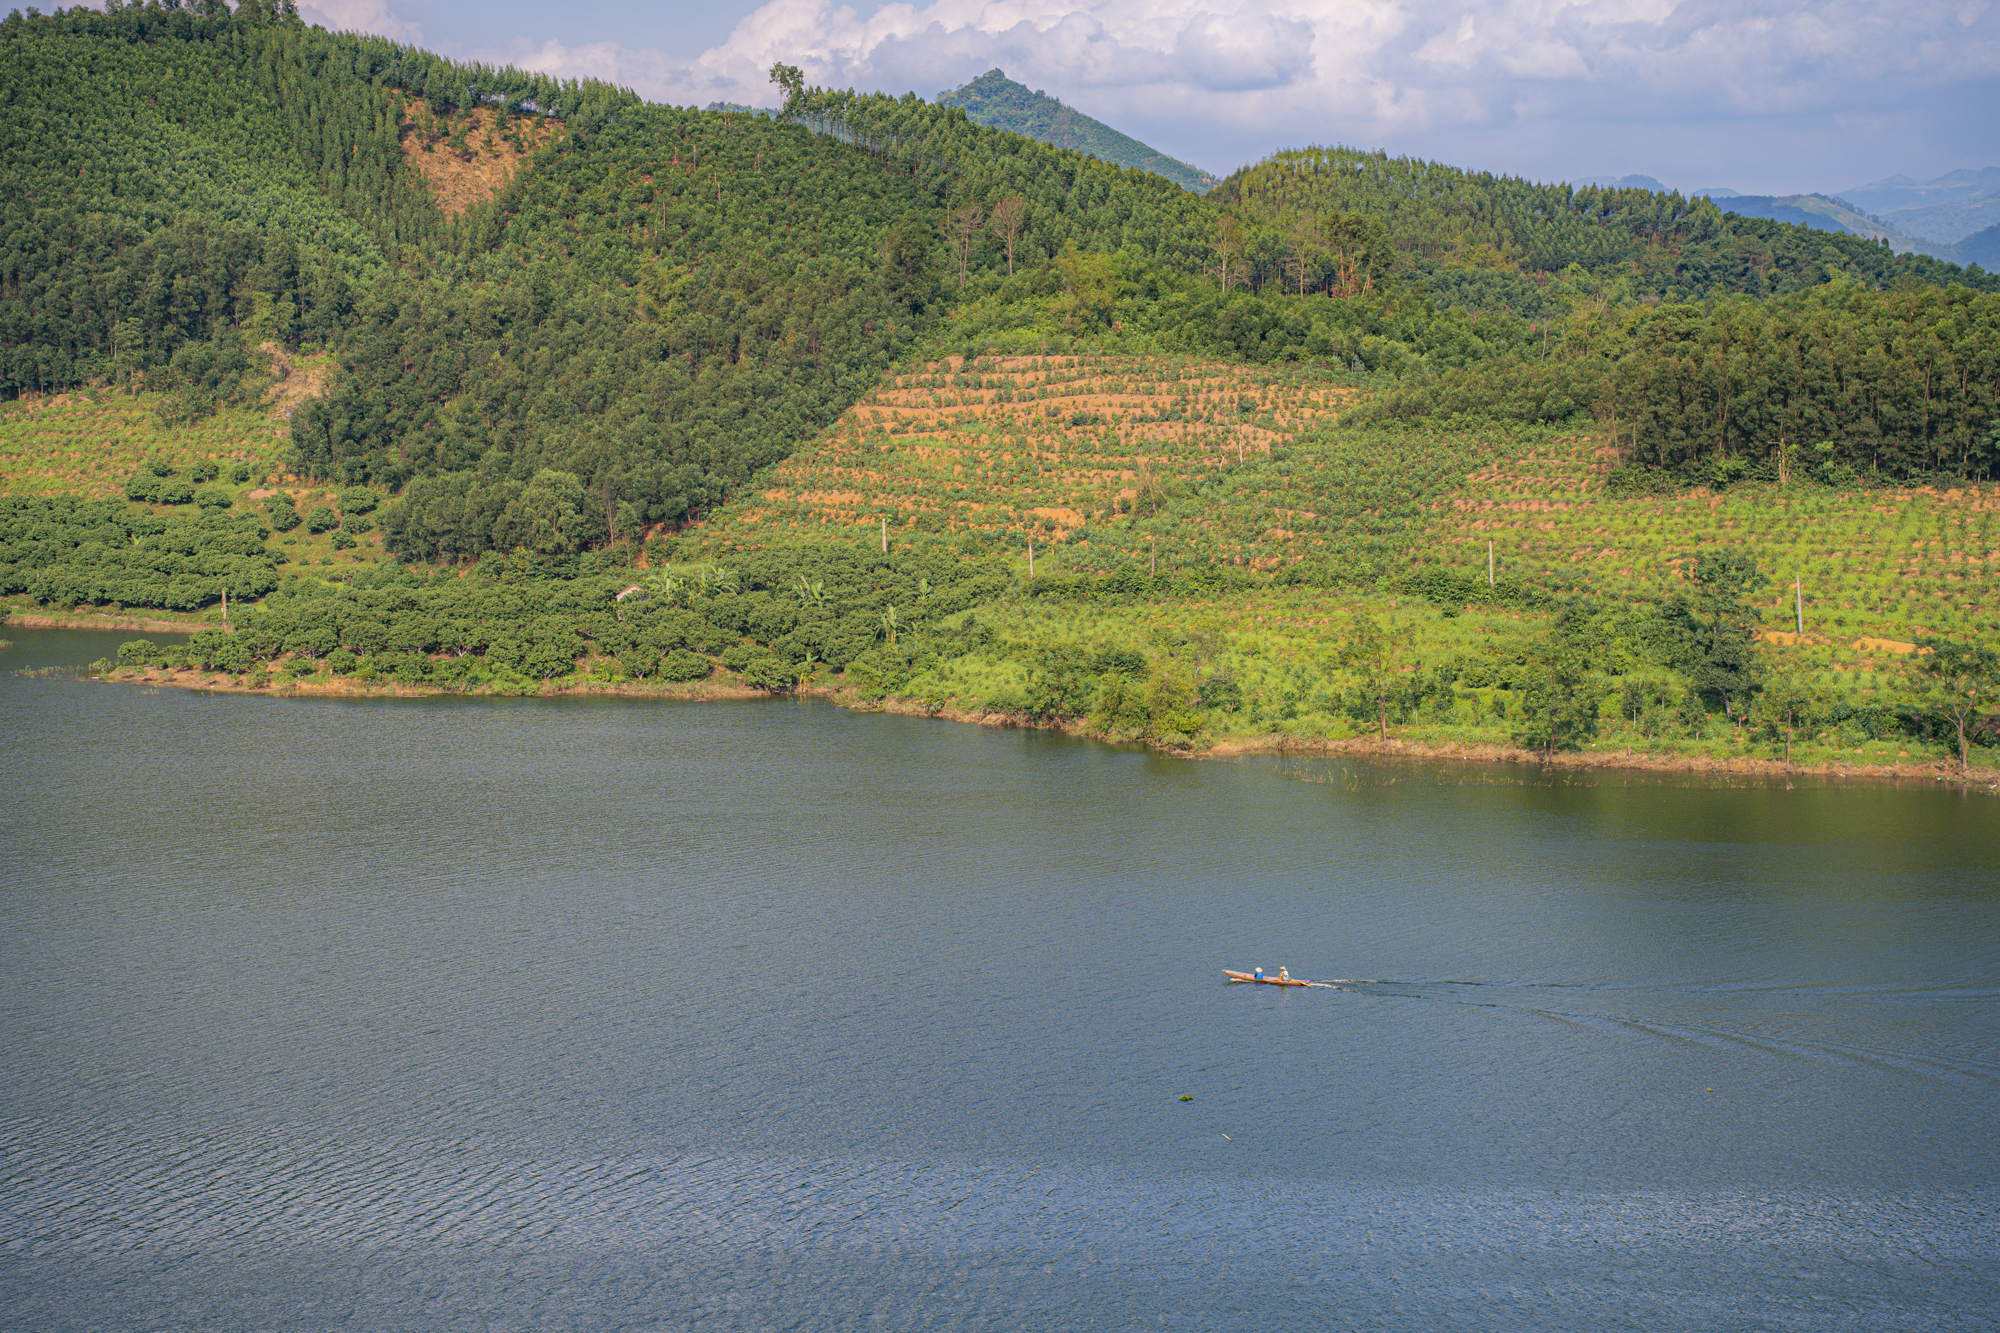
1680,88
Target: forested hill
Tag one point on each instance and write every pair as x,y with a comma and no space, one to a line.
996,100
1483,231
663,301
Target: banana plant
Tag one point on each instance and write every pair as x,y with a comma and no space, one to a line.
814,593
891,622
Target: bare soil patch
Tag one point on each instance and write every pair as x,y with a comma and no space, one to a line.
462,177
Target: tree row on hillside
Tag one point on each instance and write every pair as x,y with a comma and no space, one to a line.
65,552
1837,383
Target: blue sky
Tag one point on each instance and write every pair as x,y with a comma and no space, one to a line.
1755,95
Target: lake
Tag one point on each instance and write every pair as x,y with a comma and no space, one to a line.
616,1014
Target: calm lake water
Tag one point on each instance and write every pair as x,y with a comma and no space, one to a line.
527,1014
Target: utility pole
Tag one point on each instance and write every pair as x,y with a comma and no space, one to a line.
1799,602
1489,564
1031,557
1153,559
885,534
225,607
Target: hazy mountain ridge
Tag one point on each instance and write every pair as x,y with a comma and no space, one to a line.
995,100
1952,217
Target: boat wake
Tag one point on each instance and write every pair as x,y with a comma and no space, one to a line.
1959,1067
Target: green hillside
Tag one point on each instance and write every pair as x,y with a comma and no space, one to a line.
996,100
439,358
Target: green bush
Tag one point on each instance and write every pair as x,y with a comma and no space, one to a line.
680,664
213,497
768,671
344,541
284,514
358,500
219,650
321,519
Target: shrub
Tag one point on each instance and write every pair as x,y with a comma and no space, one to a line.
547,658
767,671
358,500
284,514
220,651
680,664
321,519
341,662
239,473
213,497
343,541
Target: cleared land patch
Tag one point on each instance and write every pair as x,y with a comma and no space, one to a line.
469,158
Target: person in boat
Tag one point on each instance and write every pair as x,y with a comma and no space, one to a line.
1284,975
1258,973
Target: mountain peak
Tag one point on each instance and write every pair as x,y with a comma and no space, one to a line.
996,100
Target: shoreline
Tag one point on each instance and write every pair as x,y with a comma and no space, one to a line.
1463,752
1488,753
44,620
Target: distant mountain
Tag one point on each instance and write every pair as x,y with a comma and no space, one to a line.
1623,183
1817,210
994,99
1981,248
1715,192
1946,210
1900,192
1838,214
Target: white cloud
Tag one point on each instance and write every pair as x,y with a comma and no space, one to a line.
360,16
1541,86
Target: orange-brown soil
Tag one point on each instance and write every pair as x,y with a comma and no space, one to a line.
465,178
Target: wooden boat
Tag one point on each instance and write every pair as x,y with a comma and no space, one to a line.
1267,981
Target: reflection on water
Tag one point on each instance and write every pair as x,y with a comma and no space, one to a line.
579,1014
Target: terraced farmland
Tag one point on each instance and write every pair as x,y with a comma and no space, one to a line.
1046,447
89,443
1890,563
